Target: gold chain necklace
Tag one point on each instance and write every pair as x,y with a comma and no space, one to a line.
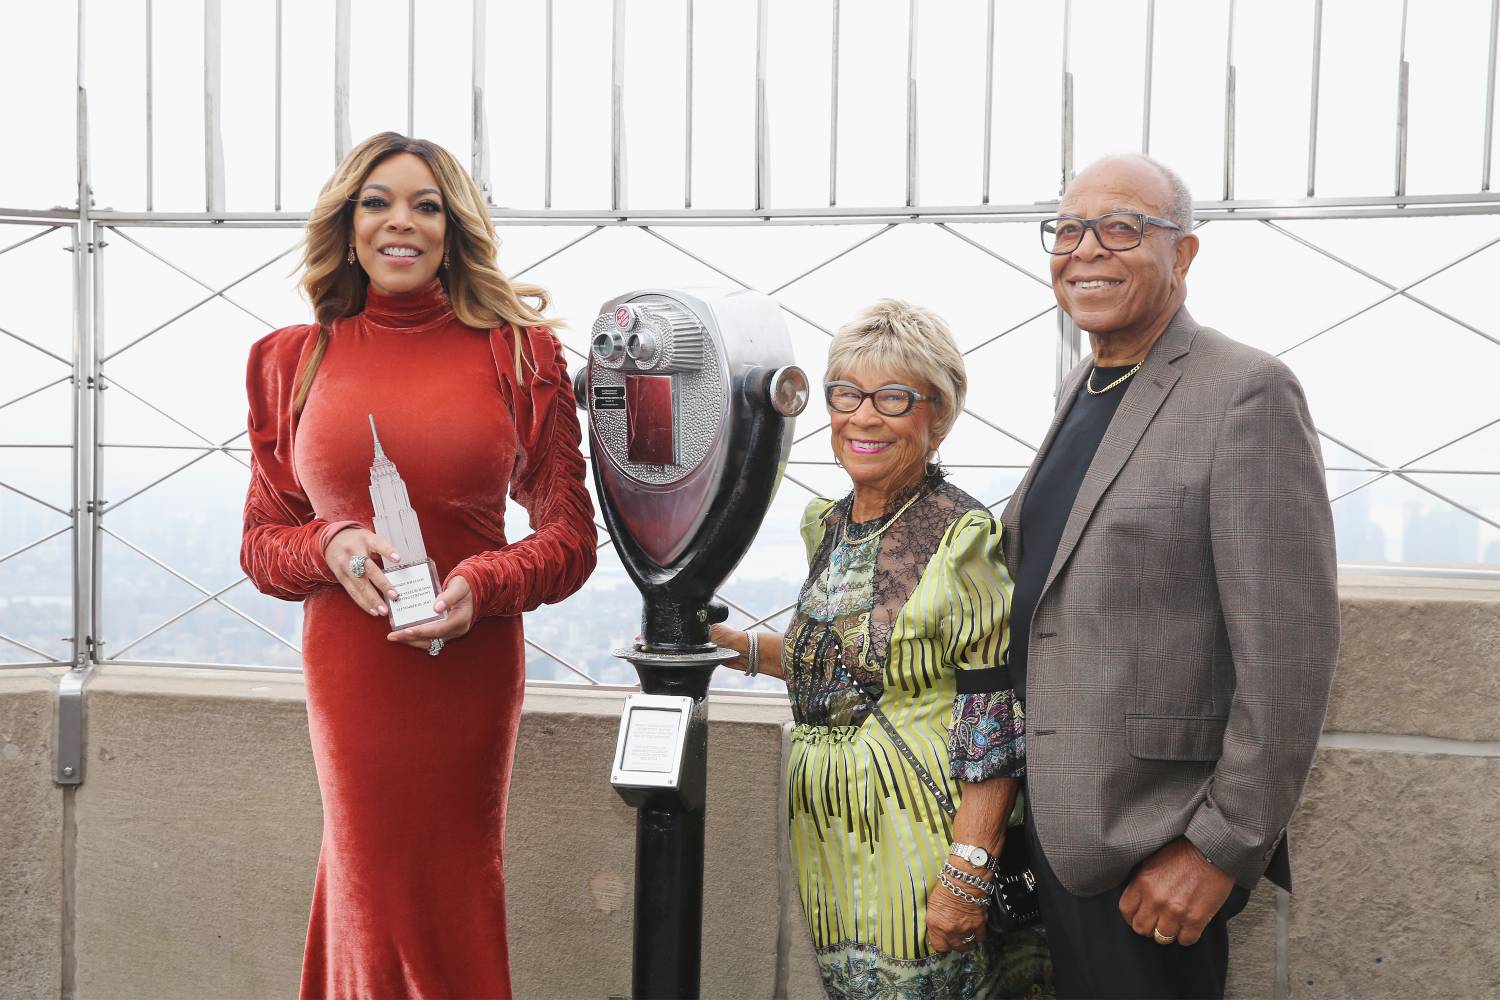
881,530
1099,392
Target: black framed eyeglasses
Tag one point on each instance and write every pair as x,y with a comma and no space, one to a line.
1115,231
894,400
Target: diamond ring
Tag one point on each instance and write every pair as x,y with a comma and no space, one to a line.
356,566
434,647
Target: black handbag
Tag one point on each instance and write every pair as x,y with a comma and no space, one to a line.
1014,903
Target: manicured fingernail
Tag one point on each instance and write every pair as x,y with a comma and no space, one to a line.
380,610
439,606
396,556
373,611
392,594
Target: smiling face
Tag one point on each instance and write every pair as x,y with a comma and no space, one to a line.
1125,294
400,224
881,453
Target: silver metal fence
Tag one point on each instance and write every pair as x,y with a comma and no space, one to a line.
90,231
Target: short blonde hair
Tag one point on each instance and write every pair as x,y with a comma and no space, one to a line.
909,342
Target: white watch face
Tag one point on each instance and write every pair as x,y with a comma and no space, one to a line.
976,856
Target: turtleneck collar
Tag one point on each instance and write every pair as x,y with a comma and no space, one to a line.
410,312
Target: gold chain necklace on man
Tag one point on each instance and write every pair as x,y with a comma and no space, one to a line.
1099,392
881,530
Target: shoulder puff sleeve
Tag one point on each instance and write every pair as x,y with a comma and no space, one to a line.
987,739
557,557
281,549
815,524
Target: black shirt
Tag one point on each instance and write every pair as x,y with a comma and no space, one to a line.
1049,501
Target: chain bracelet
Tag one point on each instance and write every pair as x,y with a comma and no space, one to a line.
985,887
972,900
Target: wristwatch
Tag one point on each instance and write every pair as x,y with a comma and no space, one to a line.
976,856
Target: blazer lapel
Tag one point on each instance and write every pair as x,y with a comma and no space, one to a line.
1142,399
1010,518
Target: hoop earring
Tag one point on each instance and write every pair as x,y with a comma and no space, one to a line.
350,255
445,258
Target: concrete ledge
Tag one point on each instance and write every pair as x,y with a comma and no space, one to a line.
31,839
1396,895
1419,657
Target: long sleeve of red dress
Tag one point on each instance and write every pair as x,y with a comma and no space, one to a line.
281,549
413,752
556,559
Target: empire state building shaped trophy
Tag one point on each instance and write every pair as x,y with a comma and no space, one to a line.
415,578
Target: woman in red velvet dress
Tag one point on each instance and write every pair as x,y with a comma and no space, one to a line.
413,732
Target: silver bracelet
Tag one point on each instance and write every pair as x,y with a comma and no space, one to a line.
752,653
979,901
985,887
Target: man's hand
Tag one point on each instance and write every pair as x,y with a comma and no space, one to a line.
1175,894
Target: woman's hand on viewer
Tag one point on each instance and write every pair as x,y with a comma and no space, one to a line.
371,590
457,599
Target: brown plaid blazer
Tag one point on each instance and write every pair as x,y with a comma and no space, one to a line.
1184,644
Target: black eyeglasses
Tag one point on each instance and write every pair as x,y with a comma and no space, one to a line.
892,400
1115,231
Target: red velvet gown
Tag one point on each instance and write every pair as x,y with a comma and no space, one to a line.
413,752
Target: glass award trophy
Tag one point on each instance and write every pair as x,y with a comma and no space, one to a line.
415,579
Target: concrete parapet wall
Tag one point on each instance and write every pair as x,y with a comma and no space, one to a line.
183,865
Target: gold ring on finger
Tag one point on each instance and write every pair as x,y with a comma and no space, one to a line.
1161,938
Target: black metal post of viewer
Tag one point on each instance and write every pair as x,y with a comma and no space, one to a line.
690,398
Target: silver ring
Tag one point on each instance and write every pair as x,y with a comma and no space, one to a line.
356,566
966,939
434,647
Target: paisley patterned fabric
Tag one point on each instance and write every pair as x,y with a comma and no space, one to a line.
892,611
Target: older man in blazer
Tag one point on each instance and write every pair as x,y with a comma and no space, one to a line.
1175,621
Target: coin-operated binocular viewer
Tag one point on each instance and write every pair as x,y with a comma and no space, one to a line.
690,397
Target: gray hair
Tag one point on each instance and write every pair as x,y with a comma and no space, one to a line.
908,341
1180,208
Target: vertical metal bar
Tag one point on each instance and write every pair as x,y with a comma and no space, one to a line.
151,115
687,137
68,761
277,171
1489,95
1067,98
1229,109
411,67
989,101
833,114
1402,105
1312,117
213,133
96,457
341,139
762,122
479,133
617,109
1069,349
547,134
1150,59
911,102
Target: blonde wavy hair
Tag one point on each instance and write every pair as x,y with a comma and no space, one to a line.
906,341
481,296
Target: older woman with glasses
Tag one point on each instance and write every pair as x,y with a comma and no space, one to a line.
895,663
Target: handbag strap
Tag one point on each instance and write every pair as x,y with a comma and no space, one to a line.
906,751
